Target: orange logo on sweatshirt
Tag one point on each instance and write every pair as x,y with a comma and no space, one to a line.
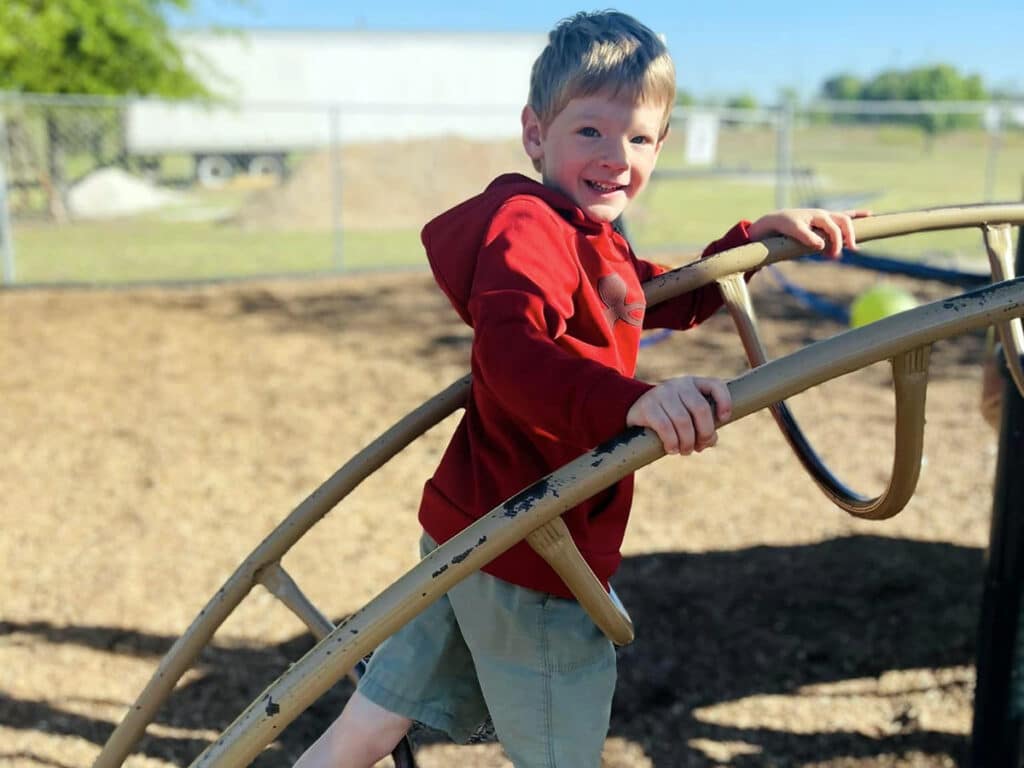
612,290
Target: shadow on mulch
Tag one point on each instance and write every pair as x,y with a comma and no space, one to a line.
711,627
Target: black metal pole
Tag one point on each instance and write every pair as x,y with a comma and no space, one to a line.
996,740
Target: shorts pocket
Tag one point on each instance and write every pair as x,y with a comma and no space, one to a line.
575,642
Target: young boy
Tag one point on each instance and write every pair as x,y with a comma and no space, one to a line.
554,297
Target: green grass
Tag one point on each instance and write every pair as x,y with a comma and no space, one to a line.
141,251
898,168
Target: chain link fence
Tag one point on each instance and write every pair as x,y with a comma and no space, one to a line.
110,191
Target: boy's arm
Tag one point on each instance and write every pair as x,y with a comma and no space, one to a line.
828,231
734,238
695,307
520,302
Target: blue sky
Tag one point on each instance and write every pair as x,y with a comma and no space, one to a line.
720,48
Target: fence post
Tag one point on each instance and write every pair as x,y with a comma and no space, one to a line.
999,690
336,190
6,238
784,154
993,121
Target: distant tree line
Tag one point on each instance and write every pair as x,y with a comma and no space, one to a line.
939,82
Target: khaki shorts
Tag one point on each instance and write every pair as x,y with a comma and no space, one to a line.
535,662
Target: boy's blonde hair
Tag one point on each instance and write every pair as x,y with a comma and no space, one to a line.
603,51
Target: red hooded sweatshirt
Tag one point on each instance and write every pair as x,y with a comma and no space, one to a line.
557,309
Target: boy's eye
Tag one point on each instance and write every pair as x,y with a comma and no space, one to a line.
642,140
589,132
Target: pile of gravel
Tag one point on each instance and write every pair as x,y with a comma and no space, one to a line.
112,192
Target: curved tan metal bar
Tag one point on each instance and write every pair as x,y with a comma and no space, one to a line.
999,245
559,491
775,249
608,613
554,543
910,380
737,299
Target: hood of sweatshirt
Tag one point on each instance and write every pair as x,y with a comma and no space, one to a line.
453,239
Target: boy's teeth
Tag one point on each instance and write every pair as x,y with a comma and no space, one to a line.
603,187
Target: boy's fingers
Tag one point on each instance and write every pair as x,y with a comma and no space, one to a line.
711,443
808,236
649,412
717,393
844,223
665,428
684,427
849,235
698,411
832,233
671,421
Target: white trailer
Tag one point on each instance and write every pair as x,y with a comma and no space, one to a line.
288,90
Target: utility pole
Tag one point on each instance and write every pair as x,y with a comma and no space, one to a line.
6,239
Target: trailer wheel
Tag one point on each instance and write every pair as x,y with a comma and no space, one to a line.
213,170
266,165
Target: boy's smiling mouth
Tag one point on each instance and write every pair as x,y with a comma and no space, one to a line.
604,188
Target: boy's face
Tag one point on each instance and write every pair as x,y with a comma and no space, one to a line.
599,151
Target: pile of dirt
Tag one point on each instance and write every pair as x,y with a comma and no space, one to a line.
385,185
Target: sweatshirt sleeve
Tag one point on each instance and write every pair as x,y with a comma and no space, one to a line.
690,309
520,301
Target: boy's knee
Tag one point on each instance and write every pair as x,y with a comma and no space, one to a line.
365,732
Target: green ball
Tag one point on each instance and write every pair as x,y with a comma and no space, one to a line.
880,301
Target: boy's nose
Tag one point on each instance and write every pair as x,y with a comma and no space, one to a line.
615,155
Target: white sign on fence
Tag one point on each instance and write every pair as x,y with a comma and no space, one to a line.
701,138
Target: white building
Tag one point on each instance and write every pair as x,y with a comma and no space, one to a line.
288,90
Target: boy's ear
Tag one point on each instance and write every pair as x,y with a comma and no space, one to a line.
532,135
661,141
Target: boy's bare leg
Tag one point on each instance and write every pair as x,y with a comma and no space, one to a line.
363,734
